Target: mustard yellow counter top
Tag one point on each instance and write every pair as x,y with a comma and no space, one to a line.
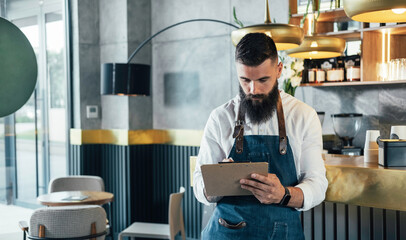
351,181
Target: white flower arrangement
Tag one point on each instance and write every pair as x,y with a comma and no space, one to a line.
291,73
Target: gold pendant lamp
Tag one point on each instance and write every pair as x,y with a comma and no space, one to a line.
285,36
377,11
315,47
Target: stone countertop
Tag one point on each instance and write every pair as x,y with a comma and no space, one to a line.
351,181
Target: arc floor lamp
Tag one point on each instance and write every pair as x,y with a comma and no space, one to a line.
133,78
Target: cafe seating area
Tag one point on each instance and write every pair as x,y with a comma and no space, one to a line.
104,104
74,209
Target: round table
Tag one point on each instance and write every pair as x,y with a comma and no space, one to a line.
67,198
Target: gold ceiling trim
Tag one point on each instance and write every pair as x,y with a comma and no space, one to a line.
179,137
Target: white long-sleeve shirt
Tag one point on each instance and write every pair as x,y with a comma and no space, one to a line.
303,130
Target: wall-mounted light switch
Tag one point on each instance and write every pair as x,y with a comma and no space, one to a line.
92,111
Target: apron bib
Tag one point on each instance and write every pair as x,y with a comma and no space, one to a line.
244,217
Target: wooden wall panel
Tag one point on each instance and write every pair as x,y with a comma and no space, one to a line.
371,55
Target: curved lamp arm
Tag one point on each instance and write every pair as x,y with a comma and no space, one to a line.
174,25
134,79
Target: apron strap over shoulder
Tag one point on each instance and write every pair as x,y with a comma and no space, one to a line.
239,132
283,141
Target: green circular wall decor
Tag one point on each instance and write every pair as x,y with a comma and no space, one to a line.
18,68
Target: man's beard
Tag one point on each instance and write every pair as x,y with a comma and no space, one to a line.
259,111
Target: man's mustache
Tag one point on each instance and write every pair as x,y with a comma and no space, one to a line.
251,96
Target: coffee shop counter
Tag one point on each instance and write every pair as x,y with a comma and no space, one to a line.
351,181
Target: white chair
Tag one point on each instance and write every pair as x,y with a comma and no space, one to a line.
76,183
80,183
157,230
79,222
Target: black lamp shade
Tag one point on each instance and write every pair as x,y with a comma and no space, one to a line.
125,79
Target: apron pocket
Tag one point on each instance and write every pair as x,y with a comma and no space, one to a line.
280,231
225,224
259,157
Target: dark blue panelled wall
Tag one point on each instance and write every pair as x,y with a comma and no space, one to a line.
141,177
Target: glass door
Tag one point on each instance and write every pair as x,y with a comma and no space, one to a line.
33,139
28,150
56,83
3,175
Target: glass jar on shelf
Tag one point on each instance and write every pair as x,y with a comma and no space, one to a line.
335,75
353,74
394,70
383,71
320,75
402,69
312,75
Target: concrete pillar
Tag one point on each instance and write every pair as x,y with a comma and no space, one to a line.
108,31
86,61
124,24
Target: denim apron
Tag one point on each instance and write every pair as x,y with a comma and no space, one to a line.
244,217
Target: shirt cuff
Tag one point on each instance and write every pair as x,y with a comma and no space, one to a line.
307,197
211,199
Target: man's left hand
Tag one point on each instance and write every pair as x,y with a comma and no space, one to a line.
267,189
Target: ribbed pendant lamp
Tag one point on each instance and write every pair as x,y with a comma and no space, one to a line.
285,36
377,11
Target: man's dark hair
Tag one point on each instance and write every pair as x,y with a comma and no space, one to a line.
254,48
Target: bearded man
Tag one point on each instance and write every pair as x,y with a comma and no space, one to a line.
263,124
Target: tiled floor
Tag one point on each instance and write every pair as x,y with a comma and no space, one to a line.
9,217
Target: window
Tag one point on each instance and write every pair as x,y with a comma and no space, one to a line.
38,129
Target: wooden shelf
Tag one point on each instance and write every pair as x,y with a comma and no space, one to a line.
347,35
399,29
354,83
334,15
376,45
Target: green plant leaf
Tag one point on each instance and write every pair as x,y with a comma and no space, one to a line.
236,19
290,15
305,14
318,12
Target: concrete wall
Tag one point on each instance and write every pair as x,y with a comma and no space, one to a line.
194,72
2,8
381,105
193,64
